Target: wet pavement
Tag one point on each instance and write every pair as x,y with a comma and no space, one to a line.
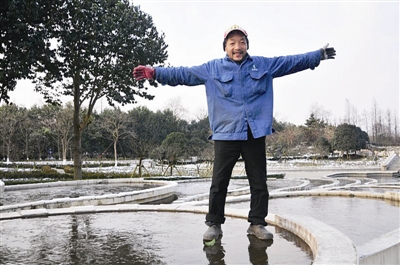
176,238
360,219
141,238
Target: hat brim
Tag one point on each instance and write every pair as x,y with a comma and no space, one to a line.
234,28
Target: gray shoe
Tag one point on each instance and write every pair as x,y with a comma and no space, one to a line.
213,232
260,232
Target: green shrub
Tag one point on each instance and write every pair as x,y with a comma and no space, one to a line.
48,175
104,175
34,176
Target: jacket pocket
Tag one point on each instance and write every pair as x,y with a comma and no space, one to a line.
223,84
259,82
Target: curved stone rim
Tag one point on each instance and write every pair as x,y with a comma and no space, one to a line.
165,190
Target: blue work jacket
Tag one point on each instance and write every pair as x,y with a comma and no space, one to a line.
238,95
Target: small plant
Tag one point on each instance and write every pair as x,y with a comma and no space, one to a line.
69,170
48,169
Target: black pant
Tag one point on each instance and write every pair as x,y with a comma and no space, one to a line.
226,156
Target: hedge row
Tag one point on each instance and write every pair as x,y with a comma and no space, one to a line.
33,165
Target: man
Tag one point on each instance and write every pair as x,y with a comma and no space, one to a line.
240,109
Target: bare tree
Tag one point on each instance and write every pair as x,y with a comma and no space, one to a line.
374,120
8,125
201,113
175,105
320,112
395,125
113,122
351,113
26,128
365,121
65,126
389,125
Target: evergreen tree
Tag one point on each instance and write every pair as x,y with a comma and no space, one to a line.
349,138
98,43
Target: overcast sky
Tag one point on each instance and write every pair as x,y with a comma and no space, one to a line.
364,34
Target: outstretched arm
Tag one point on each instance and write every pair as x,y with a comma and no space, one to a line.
173,76
285,65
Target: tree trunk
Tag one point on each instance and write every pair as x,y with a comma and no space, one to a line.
39,151
64,146
77,133
27,147
140,166
77,153
58,146
115,153
8,152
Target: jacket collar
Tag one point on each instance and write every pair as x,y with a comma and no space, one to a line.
248,57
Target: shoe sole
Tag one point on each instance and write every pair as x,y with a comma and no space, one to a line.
269,237
211,242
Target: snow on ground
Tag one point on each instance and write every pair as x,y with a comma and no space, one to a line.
325,164
130,166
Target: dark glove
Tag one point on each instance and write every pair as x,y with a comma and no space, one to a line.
143,72
327,53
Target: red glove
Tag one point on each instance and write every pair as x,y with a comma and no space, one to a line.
143,72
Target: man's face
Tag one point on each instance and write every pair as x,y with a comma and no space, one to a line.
236,46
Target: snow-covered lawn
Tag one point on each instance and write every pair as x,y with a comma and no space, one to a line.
130,166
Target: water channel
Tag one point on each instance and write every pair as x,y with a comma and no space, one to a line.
175,238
